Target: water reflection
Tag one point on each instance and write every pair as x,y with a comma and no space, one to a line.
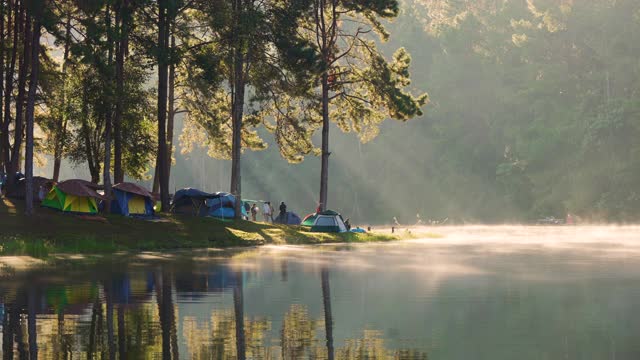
130,309
328,317
493,300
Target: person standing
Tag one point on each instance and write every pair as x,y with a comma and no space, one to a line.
283,210
266,212
254,212
271,211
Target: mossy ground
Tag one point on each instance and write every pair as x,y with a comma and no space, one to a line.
50,231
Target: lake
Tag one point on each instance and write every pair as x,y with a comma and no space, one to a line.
473,292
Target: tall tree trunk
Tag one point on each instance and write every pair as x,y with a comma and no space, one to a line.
156,177
163,67
2,53
121,48
328,316
31,102
237,112
106,175
172,107
4,140
61,126
23,65
3,49
170,124
238,306
326,26
324,172
86,135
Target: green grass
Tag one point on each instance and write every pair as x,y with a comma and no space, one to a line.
49,232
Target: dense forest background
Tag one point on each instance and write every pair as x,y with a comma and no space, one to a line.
534,111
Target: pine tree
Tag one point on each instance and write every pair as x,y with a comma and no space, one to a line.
353,84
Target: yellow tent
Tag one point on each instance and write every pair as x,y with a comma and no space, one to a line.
59,200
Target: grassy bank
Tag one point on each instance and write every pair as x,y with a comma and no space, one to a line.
53,232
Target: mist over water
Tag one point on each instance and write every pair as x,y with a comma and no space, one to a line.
476,292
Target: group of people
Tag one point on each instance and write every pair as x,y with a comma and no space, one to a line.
267,211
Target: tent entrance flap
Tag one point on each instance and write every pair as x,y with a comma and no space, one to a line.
137,205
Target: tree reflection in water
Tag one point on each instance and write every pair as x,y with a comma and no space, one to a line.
328,316
166,310
133,314
238,310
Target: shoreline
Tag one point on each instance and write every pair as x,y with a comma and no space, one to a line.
48,232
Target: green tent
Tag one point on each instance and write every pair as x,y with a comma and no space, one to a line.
328,221
75,196
310,219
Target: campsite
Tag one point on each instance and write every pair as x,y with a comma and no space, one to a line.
320,179
72,218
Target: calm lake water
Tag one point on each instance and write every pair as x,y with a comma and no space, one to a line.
473,293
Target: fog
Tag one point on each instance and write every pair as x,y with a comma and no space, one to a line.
533,113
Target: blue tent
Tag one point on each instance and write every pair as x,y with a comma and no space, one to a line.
290,218
219,205
222,206
131,200
189,201
186,195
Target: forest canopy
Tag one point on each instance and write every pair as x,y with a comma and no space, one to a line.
533,106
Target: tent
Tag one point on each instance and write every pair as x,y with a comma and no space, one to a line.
131,200
75,196
196,202
290,218
189,201
222,206
328,221
41,187
309,219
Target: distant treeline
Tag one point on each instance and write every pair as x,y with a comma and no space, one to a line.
535,107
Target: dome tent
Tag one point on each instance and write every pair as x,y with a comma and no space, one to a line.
74,196
222,206
290,218
309,219
327,221
200,203
189,201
